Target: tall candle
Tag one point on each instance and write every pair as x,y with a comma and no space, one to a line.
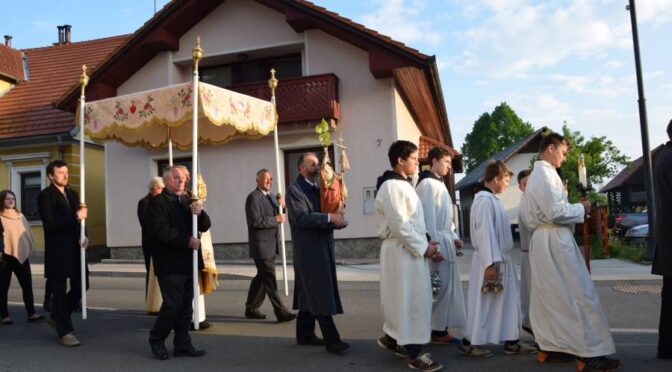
583,179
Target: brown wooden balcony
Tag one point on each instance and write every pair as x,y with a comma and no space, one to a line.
306,98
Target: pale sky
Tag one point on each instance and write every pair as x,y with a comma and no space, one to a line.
550,60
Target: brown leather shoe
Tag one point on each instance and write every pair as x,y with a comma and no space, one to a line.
69,340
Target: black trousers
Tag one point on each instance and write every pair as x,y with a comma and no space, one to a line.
65,301
23,274
665,326
147,257
264,283
305,327
176,311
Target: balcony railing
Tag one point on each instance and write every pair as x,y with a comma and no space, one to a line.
299,99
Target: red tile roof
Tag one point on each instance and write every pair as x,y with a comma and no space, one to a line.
28,108
11,63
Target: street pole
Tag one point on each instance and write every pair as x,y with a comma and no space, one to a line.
648,174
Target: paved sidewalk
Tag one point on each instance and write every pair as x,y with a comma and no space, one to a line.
365,270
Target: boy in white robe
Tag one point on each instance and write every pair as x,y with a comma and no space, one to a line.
492,317
405,289
565,310
448,307
524,233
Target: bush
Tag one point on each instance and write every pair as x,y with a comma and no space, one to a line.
626,251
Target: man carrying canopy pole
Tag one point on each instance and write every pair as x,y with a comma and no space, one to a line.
61,213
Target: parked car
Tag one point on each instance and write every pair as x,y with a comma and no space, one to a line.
626,221
638,235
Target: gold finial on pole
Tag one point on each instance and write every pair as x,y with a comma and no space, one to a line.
84,79
197,52
273,82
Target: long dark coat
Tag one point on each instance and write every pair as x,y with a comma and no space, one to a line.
61,232
662,186
262,227
143,211
315,283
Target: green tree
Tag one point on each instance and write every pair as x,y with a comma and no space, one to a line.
492,133
603,159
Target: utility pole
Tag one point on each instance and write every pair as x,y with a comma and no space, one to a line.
648,174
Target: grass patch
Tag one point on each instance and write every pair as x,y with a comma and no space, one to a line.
625,251
595,247
618,248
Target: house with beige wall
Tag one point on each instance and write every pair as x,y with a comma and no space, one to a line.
516,157
371,89
34,132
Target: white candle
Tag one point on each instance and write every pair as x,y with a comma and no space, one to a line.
583,179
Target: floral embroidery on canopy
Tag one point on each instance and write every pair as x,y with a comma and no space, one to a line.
150,118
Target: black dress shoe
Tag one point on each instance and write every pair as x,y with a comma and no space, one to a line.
314,341
159,351
286,318
201,326
256,314
190,352
337,347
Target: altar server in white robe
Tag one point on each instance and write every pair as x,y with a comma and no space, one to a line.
405,288
567,317
524,234
448,307
492,317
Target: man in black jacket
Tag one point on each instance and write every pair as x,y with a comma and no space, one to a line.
662,263
263,219
61,214
171,245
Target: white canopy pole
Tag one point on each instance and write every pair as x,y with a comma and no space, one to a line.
84,80
170,150
273,83
197,54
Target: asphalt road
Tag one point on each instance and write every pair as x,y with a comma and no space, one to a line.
114,338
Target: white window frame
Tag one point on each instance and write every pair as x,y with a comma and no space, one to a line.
15,182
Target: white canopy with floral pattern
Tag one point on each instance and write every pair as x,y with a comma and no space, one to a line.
152,118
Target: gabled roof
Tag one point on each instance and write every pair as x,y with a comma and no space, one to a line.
416,74
475,175
28,109
11,64
629,171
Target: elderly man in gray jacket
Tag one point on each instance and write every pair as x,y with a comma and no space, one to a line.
263,220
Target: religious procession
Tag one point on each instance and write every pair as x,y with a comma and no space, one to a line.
201,139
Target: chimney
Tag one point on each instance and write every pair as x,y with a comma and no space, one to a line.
8,40
61,34
67,34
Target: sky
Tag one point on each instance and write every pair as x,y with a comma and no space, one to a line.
552,61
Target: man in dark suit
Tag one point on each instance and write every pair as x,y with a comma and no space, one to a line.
263,220
315,285
662,263
61,213
171,245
